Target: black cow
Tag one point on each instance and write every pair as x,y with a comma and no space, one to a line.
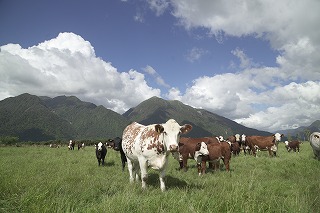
116,144
101,152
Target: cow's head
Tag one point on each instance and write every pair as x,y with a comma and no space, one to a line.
170,133
277,137
237,136
203,148
243,138
99,146
117,144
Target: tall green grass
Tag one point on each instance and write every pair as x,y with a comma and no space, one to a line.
43,179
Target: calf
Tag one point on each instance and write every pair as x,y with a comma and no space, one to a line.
215,154
188,148
213,147
292,145
101,152
235,144
264,143
116,144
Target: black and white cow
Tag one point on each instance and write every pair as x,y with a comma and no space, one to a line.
101,152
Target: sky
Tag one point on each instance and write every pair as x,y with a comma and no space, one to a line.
254,62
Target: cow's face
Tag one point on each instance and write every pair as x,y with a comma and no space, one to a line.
286,142
243,137
171,132
99,146
203,149
237,136
277,137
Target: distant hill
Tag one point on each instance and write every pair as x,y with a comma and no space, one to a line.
33,118
205,123
303,132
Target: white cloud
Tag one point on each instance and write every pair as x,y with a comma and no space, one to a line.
195,54
159,80
260,97
67,65
159,6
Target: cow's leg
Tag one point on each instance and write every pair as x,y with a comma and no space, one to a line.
144,172
162,174
270,152
184,162
131,171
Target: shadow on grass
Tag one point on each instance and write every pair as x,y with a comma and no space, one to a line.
171,182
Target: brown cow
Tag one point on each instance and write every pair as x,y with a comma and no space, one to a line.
225,148
215,154
264,143
188,148
292,145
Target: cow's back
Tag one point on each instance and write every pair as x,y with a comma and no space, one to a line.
260,141
129,139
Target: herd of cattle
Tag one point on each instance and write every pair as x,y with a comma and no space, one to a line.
150,146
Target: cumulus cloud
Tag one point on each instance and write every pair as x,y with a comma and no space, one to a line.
67,65
271,98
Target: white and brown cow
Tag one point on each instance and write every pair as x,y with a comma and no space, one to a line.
150,146
292,145
264,143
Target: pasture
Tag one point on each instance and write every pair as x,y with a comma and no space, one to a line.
43,179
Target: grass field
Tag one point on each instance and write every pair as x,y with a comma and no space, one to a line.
43,179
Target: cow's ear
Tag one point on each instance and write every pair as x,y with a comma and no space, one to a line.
186,128
159,128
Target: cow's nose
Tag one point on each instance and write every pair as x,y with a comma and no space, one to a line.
173,148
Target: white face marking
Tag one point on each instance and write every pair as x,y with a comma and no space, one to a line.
203,149
237,136
243,137
277,136
286,142
100,146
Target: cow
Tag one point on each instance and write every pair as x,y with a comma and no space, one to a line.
235,144
53,145
188,147
214,163
264,143
214,156
292,145
101,152
116,144
81,145
71,145
315,144
150,146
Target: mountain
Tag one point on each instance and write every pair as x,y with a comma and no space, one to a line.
205,123
303,132
33,118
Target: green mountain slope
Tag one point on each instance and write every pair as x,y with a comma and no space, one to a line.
205,123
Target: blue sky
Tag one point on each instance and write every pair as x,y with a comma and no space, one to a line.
253,62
